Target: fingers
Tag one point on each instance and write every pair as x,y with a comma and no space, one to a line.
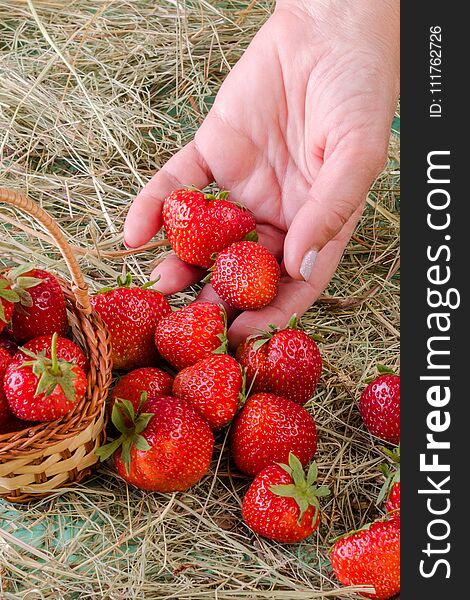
175,275
144,219
295,296
339,190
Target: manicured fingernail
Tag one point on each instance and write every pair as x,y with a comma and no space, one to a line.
307,263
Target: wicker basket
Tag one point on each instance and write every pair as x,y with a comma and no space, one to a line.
36,461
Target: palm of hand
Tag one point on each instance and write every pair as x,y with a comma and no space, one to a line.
273,125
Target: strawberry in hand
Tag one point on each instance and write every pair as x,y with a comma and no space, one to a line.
43,389
199,225
282,504
245,275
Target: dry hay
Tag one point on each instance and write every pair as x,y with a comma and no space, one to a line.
95,95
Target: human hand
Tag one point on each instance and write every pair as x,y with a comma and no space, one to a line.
297,133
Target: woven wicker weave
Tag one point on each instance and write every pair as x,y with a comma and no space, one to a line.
36,461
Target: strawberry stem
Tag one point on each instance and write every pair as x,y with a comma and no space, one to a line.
131,435
55,369
303,489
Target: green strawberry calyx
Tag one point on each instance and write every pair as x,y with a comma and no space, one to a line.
390,473
252,236
8,295
303,489
242,394
126,281
385,519
264,335
20,284
223,348
382,370
51,372
130,424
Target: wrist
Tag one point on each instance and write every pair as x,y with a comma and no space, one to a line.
377,21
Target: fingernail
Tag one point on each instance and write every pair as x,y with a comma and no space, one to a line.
306,266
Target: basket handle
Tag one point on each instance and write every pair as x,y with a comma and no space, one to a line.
22,202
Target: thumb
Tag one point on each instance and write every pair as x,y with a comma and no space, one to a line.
339,190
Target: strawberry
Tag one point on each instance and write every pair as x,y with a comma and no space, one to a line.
131,315
41,309
284,362
152,381
199,225
43,389
65,348
213,386
391,487
393,501
8,298
246,275
380,406
168,447
8,343
192,333
267,429
5,360
282,504
370,557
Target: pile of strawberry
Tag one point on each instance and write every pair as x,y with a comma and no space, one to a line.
45,377
177,386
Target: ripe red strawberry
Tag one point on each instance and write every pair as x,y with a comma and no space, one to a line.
131,315
41,309
213,386
154,382
370,556
282,504
199,225
246,276
43,389
393,501
65,348
267,429
284,362
8,343
168,449
391,487
5,360
192,333
8,298
380,407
